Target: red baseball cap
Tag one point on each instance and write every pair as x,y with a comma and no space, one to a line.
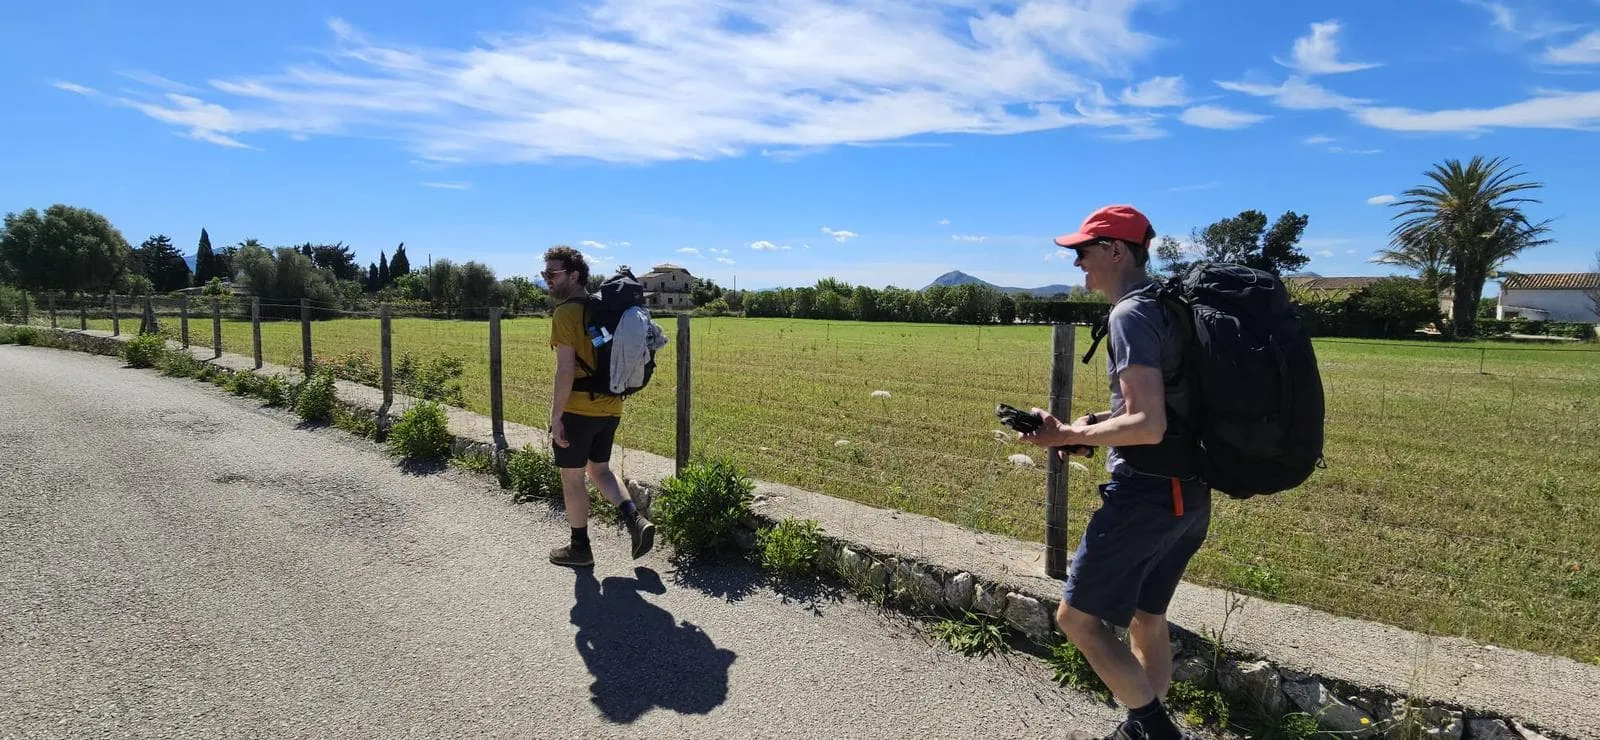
1111,222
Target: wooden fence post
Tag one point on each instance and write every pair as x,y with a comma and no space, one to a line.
52,301
24,308
683,394
255,328
216,326
385,347
148,322
83,313
305,336
1055,508
497,411
183,321
116,320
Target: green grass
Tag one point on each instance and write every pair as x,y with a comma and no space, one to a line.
1455,502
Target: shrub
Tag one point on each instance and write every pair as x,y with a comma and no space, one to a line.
316,398
435,379
533,474
8,335
700,509
241,383
179,364
25,336
144,350
975,634
1198,705
791,547
355,366
422,433
274,390
359,423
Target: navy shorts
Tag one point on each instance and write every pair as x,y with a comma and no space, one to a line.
588,439
1136,546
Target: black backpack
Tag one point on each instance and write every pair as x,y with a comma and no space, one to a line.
602,311
1257,408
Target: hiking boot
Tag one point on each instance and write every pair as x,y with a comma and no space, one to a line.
572,557
643,534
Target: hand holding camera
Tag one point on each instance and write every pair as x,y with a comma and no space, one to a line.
1028,423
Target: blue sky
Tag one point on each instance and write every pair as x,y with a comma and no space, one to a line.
779,142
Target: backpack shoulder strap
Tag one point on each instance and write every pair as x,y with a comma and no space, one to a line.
1101,328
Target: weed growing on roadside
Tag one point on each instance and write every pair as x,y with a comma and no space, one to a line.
475,461
25,336
975,634
421,433
533,475
179,364
274,390
700,509
791,547
316,398
434,379
1197,705
145,350
359,423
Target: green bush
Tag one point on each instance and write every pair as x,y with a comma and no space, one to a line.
355,366
533,475
179,364
1197,705
434,379
974,635
25,336
422,433
274,390
8,335
241,383
144,350
699,510
359,423
316,398
791,547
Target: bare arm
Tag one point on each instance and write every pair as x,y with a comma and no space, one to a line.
1143,421
566,368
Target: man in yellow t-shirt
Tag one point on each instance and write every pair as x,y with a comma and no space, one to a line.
582,425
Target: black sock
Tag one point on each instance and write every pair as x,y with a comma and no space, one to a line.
629,511
1154,720
580,538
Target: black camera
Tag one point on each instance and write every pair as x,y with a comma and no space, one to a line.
1028,423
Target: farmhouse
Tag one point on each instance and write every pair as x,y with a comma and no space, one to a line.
1549,296
667,286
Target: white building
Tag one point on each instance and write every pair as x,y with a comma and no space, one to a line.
668,286
1559,296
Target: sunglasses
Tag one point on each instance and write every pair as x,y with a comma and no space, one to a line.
551,273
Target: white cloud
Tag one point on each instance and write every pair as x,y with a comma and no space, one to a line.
689,250
1507,19
944,222
1156,92
658,80
155,80
1216,116
1380,200
766,246
1324,253
840,235
725,260
1318,52
592,244
1318,140
624,244
73,87
1342,150
1550,109
1585,50
464,186
714,250
1295,93
969,238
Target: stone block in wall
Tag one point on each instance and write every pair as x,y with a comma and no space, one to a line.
1258,682
1485,728
959,591
917,585
989,600
1332,713
1027,615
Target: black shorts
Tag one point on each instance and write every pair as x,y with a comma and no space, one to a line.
588,439
1136,546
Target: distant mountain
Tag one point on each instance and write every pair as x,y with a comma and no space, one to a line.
957,277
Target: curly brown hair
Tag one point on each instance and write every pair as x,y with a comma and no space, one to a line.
570,259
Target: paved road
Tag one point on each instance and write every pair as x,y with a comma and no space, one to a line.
177,561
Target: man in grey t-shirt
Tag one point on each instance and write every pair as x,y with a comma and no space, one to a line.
1154,512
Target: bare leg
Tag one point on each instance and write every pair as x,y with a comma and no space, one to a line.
576,497
1111,660
1152,645
606,480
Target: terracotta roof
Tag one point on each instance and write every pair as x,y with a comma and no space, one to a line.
1551,281
1333,283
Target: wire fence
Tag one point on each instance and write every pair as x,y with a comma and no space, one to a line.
1461,495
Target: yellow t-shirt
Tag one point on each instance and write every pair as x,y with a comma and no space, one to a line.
566,327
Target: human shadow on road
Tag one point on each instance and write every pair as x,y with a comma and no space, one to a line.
641,657
732,580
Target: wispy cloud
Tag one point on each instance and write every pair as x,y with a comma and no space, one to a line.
1342,150
944,222
840,235
1214,184
650,80
1318,140
155,80
629,244
969,238
592,244
1294,93
689,250
1380,200
1518,23
1216,116
468,186
1585,50
725,260
73,87
1317,53
1156,92
1550,109
766,246
1324,253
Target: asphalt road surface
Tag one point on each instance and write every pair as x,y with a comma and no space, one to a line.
178,561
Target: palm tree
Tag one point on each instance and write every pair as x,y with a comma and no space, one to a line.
1474,212
1429,256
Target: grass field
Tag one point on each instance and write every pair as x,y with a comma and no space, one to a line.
1455,502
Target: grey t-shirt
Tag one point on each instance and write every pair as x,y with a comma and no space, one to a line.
1141,331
